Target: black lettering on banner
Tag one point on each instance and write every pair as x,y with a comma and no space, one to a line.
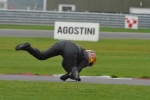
85,31
76,30
81,29
70,30
65,30
59,30
93,31
90,30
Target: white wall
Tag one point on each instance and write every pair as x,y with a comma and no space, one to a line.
3,4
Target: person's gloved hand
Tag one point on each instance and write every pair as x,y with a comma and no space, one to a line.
74,74
64,77
79,79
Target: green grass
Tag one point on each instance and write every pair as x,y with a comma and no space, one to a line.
115,57
123,58
23,90
40,27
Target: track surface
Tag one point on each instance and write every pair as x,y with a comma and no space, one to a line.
84,79
40,33
43,33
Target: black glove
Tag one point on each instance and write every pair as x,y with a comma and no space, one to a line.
64,77
74,74
79,79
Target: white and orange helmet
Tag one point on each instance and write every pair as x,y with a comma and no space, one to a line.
92,57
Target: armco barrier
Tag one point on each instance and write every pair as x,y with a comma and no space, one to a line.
49,18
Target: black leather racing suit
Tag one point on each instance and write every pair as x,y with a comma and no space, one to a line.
73,55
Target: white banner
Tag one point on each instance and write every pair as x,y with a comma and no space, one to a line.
131,22
76,31
134,10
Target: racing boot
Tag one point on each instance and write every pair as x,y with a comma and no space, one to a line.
23,46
